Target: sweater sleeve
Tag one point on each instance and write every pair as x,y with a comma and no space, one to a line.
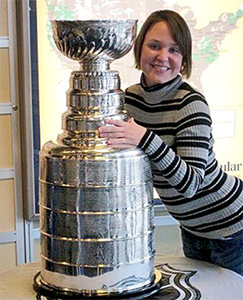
183,165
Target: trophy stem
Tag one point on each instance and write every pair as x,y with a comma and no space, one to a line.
93,96
91,65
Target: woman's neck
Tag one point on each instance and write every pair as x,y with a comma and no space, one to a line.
156,86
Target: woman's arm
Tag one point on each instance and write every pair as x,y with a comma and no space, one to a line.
184,166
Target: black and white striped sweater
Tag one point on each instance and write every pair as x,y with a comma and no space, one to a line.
205,200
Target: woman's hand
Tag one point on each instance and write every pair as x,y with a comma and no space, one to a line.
122,132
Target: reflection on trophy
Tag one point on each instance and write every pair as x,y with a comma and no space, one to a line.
96,203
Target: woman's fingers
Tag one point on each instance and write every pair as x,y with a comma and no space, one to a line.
110,134
118,123
121,132
117,141
111,131
115,131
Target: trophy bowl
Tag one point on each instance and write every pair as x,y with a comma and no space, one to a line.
94,39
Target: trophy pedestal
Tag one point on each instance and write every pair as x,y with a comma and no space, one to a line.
140,293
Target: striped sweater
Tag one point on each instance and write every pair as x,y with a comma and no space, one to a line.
196,192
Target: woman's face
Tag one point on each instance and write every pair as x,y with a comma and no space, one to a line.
160,55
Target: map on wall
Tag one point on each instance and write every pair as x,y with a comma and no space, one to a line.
217,31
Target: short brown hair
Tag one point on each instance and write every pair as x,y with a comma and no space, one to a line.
180,33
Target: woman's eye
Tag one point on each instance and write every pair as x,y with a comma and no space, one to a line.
175,50
153,46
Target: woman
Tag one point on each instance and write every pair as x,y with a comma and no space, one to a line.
171,123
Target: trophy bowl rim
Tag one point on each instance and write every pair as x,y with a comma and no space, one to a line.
106,21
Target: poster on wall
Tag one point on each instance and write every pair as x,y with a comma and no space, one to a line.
216,27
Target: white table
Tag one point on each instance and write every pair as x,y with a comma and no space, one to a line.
214,283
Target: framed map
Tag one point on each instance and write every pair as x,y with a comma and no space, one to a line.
217,30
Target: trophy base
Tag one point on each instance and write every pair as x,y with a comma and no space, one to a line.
58,293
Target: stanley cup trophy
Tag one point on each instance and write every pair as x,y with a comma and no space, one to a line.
96,201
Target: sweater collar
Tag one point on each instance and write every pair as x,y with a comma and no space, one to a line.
159,92
159,86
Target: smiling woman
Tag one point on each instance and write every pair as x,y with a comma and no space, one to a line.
179,142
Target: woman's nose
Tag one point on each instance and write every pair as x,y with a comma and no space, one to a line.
163,54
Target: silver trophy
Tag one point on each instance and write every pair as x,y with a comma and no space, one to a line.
96,201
